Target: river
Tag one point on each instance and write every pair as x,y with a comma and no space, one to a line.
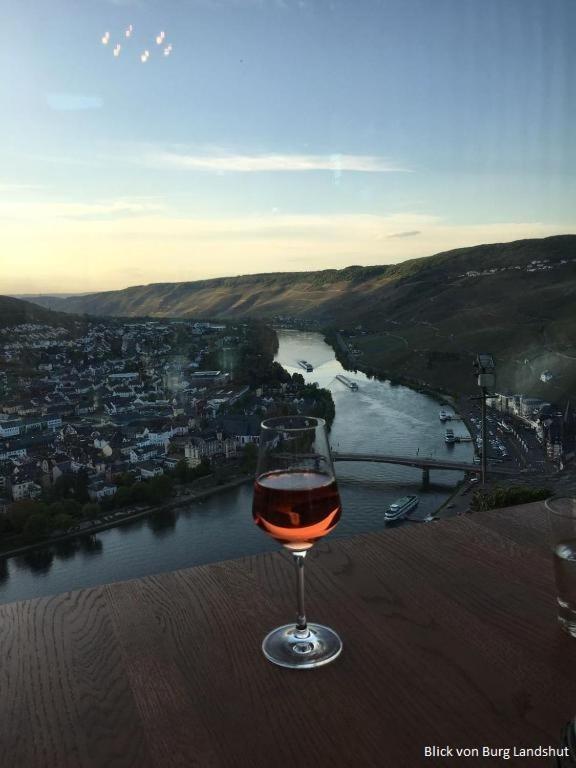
378,417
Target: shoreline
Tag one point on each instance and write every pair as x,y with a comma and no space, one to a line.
452,400
97,527
343,357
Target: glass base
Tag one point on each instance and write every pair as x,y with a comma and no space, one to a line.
297,649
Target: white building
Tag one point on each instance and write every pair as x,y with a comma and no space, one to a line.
27,489
100,490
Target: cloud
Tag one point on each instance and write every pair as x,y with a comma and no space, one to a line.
125,241
8,187
47,210
73,102
225,162
409,233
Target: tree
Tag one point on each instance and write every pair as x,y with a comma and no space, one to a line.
182,471
139,494
56,508
90,511
21,511
72,507
126,478
5,524
249,457
298,380
159,488
62,522
122,497
36,527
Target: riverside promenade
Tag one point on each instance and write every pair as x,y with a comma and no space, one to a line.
119,518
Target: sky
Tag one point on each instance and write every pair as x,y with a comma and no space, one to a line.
276,135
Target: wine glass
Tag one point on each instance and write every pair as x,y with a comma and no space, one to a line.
296,501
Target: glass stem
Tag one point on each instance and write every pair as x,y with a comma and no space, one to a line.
301,626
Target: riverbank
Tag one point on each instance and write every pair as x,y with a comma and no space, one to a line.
114,522
349,363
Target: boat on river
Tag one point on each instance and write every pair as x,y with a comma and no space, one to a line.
306,365
447,416
400,508
349,383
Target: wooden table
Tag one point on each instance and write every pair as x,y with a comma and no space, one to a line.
449,632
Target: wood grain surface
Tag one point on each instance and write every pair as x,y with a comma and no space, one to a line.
450,637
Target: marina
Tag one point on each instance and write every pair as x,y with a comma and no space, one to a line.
348,382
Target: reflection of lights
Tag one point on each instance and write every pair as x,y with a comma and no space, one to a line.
160,37
129,31
168,50
105,38
117,50
145,56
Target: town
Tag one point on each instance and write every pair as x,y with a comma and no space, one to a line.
105,417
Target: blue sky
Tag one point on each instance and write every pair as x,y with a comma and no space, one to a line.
277,134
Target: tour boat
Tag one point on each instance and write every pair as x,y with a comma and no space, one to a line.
400,508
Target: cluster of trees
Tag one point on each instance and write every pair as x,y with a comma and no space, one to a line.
71,485
255,364
507,497
150,492
249,458
186,474
34,520
322,402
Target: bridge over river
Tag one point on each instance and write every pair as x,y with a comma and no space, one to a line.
420,462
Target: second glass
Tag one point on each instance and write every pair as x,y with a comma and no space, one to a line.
562,519
296,501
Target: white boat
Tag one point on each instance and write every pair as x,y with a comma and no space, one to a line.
450,436
400,508
306,365
443,416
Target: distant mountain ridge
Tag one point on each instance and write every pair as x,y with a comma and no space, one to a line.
366,294
19,312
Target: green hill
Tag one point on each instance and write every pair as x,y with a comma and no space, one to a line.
424,318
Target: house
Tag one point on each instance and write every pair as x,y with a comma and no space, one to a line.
24,489
244,429
150,469
99,490
210,378
55,467
10,428
209,446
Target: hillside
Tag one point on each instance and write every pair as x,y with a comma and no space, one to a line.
17,312
425,318
325,295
